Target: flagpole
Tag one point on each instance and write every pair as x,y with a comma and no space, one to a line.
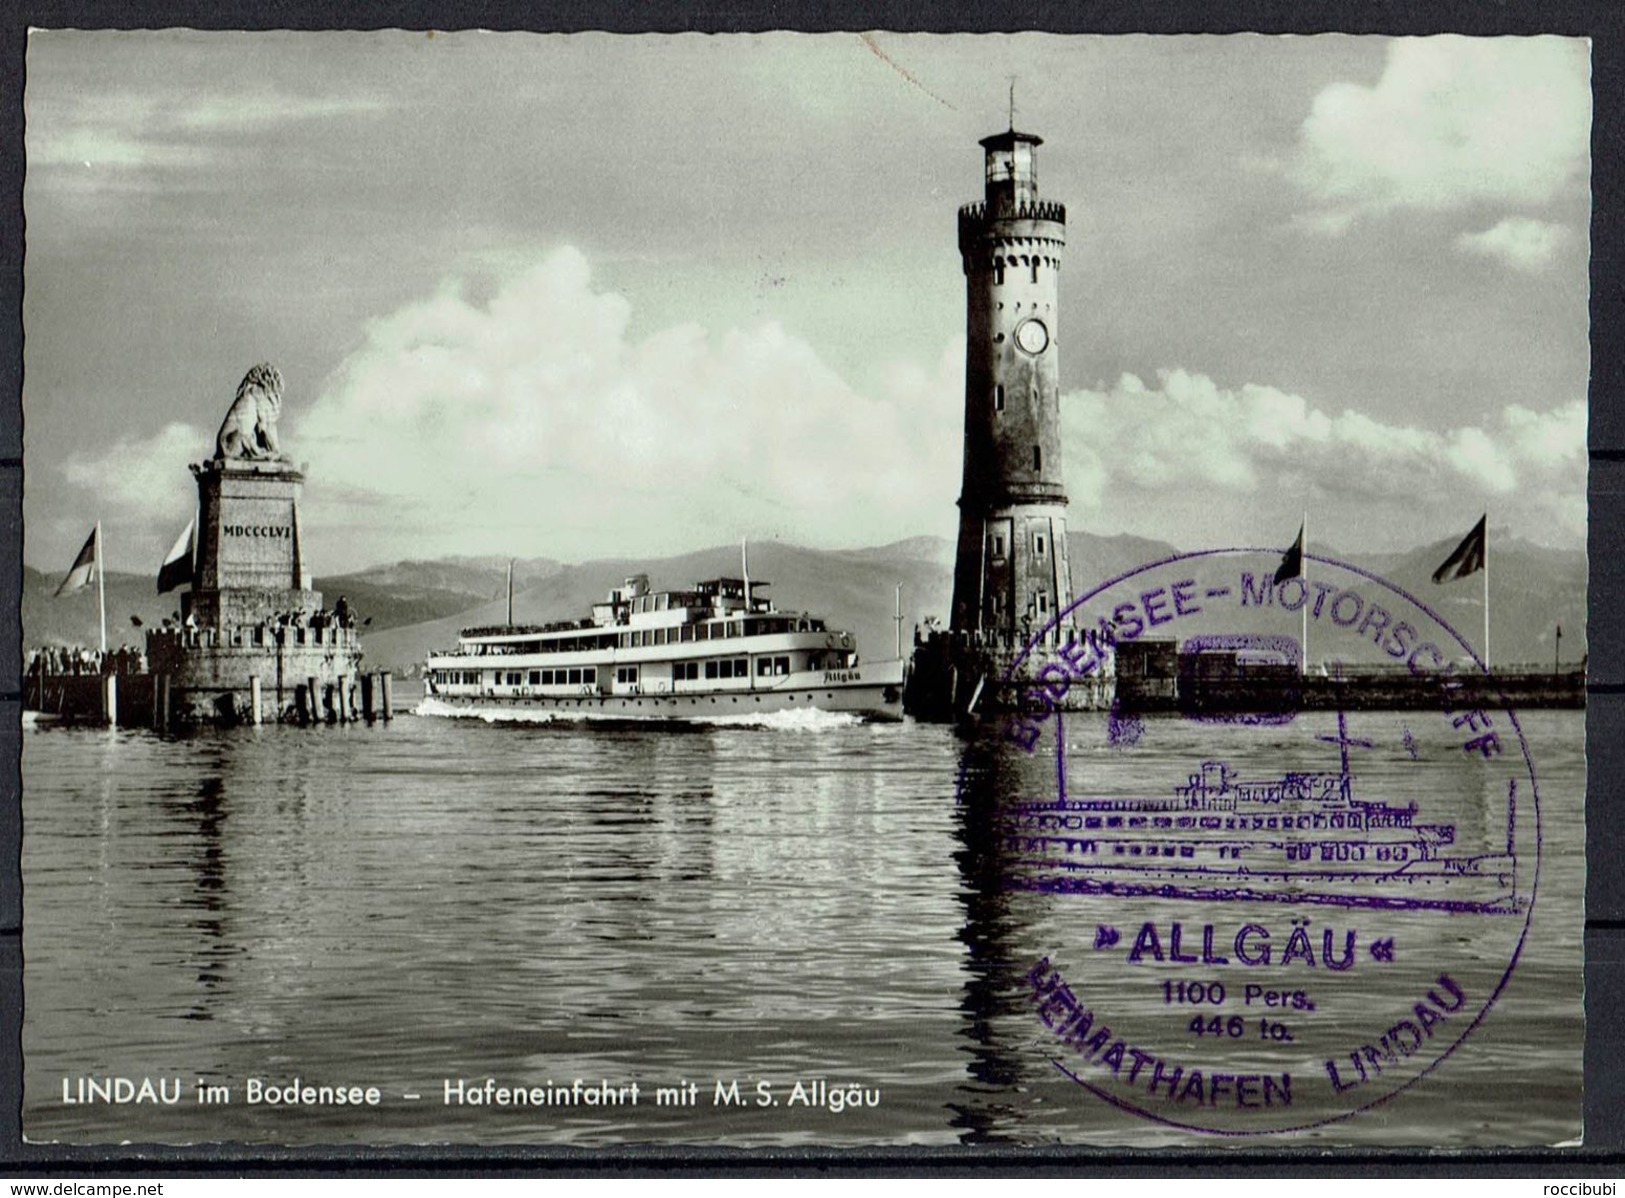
1303,567
1486,592
101,588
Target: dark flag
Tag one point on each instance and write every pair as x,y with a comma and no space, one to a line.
1291,561
83,571
177,568
1468,557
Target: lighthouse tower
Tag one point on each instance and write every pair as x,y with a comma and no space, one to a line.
1011,575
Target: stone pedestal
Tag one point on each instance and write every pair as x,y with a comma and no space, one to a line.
249,637
250,565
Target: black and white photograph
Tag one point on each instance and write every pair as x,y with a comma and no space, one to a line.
804,591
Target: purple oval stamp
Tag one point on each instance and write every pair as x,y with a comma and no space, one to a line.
1290,871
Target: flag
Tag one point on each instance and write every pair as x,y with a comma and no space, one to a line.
83,571
177,568
1468,557
1291,561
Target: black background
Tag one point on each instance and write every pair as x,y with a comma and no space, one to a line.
1601,20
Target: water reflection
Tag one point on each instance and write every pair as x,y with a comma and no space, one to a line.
202,820
988,773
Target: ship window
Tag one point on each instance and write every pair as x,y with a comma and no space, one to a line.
998,271
1038,457
514,677
711,668
626,674
998,546
781,665
536,678
590,675
741,668
998,397
660,636
736,628
764,666
575,677
815,661
685,633
1038,544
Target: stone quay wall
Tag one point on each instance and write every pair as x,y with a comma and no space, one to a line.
211,674
955,675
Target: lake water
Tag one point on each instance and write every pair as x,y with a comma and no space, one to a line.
429,902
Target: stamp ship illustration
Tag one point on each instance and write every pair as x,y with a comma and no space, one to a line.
1302,837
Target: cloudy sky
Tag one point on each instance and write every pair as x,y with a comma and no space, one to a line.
581,296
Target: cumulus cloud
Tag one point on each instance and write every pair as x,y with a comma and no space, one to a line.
1518,242
536,423
143,478
1219,461
1453,121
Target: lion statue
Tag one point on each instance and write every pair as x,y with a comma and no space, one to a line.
249,429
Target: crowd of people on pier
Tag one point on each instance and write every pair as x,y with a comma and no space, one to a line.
71,660
338,616
57,660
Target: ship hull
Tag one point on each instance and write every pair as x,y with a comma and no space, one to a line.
873,702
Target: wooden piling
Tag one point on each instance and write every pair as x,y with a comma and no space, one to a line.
366,698
341,685
301,703
315,697
388,696
254,700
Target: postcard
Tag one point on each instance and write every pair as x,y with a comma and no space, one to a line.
790,591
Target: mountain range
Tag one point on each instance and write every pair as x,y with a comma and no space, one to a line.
416,606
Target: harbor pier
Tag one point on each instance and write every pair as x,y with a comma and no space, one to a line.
251,626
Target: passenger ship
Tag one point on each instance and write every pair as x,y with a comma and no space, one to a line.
718,650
